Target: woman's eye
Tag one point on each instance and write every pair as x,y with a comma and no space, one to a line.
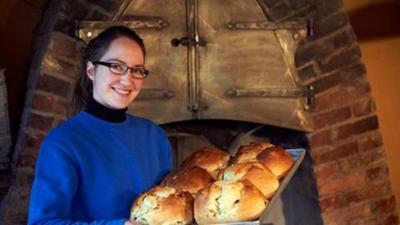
137,70
117,67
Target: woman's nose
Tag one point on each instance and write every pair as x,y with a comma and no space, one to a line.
126,78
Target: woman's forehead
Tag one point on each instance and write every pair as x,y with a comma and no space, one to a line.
126,50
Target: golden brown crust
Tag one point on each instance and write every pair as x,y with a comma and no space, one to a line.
228,201
162,205
277,160
190,179
255,172
210,159
249,152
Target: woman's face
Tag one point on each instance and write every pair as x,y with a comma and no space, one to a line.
111,90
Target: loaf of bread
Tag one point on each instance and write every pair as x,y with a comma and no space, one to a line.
255,172
228,201
163,206
249,152
210,159
277,160
190,179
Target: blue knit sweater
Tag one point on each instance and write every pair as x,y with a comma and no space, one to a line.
89,171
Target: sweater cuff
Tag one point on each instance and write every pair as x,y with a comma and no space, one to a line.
118,222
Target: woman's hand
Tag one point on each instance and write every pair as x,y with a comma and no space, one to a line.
128,222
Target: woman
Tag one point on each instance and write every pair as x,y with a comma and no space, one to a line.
91,168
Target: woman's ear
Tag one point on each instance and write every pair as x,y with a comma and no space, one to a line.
90,69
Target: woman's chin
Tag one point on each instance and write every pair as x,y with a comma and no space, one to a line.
118,105
122,102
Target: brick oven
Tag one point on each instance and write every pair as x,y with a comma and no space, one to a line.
344,177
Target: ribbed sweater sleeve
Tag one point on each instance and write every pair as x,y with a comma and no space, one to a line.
54,188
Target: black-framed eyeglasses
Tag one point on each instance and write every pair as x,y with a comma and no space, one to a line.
121,69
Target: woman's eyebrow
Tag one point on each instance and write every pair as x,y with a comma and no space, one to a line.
122,62
116,60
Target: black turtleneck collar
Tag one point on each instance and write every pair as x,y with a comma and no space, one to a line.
100,111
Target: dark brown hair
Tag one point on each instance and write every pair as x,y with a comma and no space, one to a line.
96,48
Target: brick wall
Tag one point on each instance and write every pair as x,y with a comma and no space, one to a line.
50,88
350,165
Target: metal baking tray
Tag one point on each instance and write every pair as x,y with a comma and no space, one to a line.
298,155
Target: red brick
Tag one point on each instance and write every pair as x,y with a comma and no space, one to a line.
333,98
341,60
370,141
373,156
53,85
58,121
326,171
346,214
333,117
384,205
48,103
27,156
33,140
392,219
368,192
381,219
344,184
39,122
363,107
361,161
331,203
62,45
327,82
60,107
339,152
321,138
54,65
26,160
363,221
359,89
42,102
307,72
345,38
358,127
331,23
377,172
354,73
376,190
350,164
305,54
331,6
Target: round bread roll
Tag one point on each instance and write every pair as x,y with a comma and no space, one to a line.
228,201
277,160
163,206
256,173
210,159
248,153
190,179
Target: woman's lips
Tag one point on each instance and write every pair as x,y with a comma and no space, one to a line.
122,91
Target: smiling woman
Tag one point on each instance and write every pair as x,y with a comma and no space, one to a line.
92,167
116,90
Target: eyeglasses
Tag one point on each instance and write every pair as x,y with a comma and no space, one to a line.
121,69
